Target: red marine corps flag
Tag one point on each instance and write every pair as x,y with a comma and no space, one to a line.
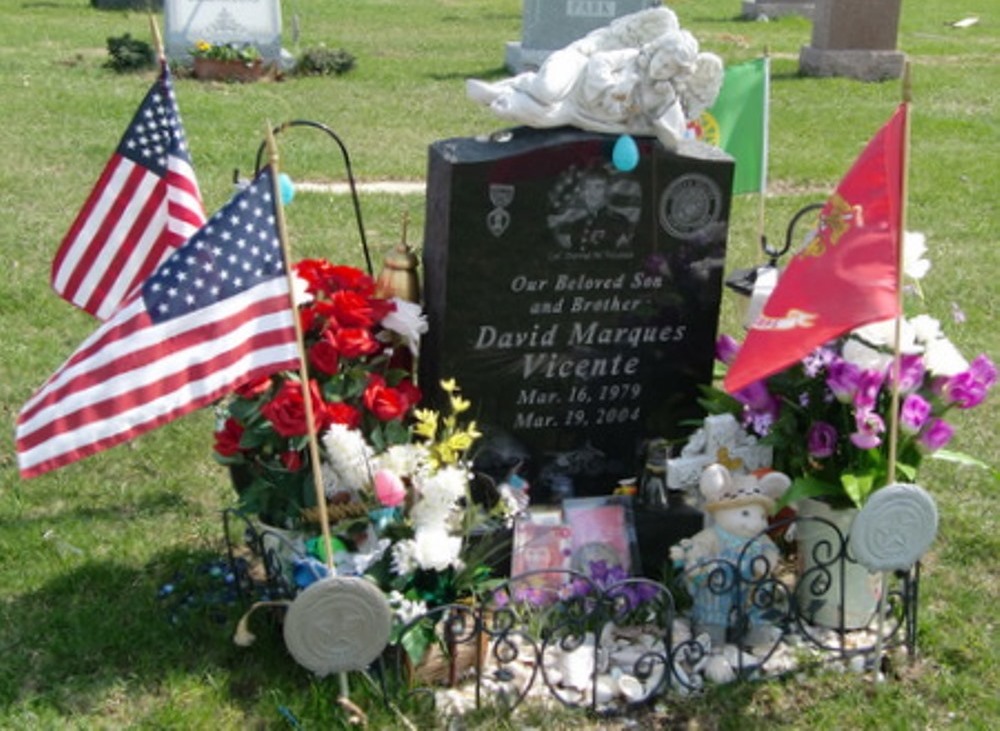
846,275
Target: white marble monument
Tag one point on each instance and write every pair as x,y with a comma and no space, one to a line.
222,21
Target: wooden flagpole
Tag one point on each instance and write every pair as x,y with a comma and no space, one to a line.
897,350
314,456
154,30
761,222
897,353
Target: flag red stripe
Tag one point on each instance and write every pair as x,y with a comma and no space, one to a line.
129,264
71,455
62,268
149,350
101,242
105,409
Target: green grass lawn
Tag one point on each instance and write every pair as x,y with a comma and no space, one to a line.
85,639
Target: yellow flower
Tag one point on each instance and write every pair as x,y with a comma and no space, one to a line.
203,46
449,385
427,423
459,404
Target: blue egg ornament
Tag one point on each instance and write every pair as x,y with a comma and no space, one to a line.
287,188
625,154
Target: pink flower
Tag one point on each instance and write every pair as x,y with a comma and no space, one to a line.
869,384
389,488
983,370
821,440
936,434
965,390
911,373
726,349
913,414
842,379
870,427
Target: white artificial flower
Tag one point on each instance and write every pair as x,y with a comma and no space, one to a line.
408,321
915,265
300,291
449,482
926,328
872,344
941,357
405,610
404,560
436,549
348,458
431,513
402,459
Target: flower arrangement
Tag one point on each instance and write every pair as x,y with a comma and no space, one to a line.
420,548
360,350
245,53
827,416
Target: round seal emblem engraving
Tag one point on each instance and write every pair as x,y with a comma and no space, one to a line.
689,205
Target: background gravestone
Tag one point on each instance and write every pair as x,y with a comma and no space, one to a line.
222,21
777,8
575,305
854,38
548,25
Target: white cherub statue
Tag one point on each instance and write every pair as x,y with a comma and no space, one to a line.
641,74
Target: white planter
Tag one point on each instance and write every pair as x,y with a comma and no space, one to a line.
833,590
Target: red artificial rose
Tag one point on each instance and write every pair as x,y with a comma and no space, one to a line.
287,410
351,309
341,413
410,392
292,459
323,354
353,342
385,402
227,439
252,389
344,277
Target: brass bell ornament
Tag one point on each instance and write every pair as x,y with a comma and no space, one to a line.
398,277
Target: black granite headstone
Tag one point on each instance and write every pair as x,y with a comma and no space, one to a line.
575,304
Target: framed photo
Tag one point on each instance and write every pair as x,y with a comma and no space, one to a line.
603,535
541,541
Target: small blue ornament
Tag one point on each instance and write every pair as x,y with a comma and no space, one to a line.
625,154
287,188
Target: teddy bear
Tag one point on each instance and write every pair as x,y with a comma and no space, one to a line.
740,505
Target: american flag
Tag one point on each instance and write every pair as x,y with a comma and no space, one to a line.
145,204
216,312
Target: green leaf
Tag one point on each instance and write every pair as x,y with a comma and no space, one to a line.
809,487
948,455
857,487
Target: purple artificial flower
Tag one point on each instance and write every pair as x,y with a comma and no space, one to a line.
869,385
760,407
936,434
842,379
599,571
814,363
914,413
983,370
870,428
726,349
821,440
911,372
965,390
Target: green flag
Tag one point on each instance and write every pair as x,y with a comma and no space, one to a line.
737,123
